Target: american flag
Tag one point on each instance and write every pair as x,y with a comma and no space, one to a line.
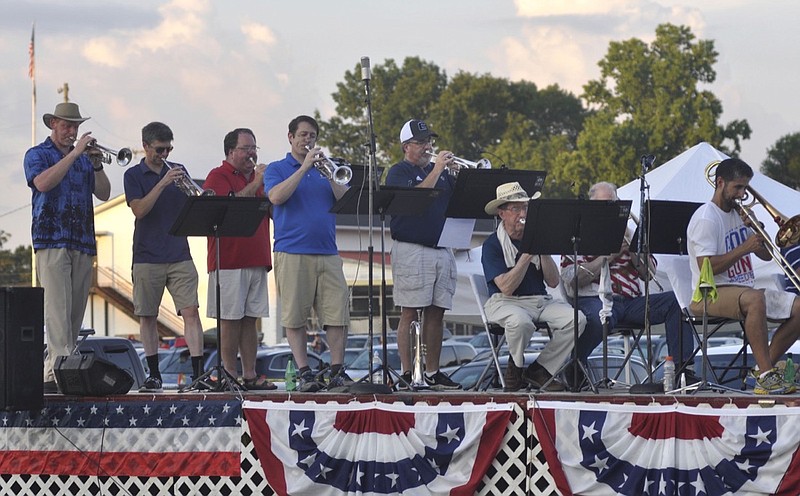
603,449
375,448
32,62
152,438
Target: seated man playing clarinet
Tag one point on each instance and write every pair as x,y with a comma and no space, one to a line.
719,233
623,272
518,296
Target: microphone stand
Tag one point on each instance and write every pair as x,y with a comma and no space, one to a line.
643,247
366,76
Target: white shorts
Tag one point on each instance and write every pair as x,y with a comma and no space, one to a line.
243,293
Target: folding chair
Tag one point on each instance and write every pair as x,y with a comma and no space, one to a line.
494,332
680,278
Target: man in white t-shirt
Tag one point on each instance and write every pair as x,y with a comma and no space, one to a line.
717,232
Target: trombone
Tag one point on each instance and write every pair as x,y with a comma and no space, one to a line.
788,228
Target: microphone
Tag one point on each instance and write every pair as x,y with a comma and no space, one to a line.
365,73
647,161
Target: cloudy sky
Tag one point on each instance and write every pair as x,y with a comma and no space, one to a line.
207,67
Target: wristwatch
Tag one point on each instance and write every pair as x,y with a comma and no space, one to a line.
98,169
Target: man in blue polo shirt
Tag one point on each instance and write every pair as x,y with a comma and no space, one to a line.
63,177
424,273
160,259
308,269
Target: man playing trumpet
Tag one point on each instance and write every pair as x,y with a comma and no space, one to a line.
308,269
625,269
161,260
717,232
63,177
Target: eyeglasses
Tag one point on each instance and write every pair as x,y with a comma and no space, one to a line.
517,208
430,141
248,148
161,149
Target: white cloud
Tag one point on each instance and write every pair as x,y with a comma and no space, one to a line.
258,34
544,8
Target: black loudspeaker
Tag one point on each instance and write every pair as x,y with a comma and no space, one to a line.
21,348
87,375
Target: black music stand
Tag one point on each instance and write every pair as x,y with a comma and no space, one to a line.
388,200
218,217
671,219
580,227
475,188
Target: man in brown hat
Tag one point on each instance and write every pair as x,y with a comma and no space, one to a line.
518,296
63,177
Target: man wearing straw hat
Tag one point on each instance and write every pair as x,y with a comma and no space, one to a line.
63,173
518,296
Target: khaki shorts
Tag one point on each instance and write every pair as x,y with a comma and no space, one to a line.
243,293
311,281
149,281
423,276
779,303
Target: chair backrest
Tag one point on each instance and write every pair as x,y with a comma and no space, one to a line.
481,292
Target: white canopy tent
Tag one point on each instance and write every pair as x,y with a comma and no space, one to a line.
683,178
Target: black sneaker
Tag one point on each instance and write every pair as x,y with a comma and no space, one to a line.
152,385
440,381
341,379
309,383
405,383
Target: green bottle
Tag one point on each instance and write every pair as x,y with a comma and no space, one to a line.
290,376
790,371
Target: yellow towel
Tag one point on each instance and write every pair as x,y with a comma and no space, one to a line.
706,278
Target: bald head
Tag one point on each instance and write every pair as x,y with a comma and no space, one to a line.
603,191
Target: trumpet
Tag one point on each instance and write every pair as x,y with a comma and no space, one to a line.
339,174
186,184
463,163
788,228
123,155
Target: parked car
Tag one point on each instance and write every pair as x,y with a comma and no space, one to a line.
350,354
175,366
270,362
468,374
453,355
360,340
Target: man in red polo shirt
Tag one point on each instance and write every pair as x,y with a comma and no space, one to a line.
244,262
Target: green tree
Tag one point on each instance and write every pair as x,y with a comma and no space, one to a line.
512,123
15,266
649,100
783,161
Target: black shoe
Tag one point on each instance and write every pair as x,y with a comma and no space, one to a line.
152,385
308,382
259,383
404,383
537,376
439,380
50,387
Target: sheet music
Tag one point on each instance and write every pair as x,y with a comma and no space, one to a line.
457,233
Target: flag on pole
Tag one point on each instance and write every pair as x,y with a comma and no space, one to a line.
31,53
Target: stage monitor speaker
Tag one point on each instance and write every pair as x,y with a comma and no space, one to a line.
87,375
21,348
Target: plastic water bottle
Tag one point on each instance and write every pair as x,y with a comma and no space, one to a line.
669,374
377,363
290,376
790,372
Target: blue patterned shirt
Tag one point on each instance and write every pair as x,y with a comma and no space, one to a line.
64,216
